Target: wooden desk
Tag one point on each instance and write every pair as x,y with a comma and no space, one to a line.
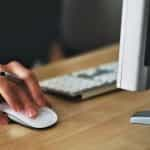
101,123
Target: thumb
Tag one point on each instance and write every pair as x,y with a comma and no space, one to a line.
3,119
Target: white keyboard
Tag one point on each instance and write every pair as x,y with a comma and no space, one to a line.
84,81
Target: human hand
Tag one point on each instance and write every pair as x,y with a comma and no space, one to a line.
26,97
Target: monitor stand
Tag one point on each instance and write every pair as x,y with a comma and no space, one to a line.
141,118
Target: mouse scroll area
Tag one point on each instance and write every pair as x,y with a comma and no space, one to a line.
46,117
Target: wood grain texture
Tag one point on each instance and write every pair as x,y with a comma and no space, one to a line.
101,123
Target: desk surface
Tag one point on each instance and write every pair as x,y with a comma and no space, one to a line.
101,123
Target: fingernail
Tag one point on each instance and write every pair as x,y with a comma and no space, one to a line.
31,113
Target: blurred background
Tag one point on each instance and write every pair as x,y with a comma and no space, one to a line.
38,32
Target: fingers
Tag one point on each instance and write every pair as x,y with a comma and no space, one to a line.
27,98
35,89
17,98
8,92
3,119
30,108
30,80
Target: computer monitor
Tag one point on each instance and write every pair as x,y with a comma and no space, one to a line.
134,57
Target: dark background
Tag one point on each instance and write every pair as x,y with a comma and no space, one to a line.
28,27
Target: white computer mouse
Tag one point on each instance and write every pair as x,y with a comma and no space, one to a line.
46,117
